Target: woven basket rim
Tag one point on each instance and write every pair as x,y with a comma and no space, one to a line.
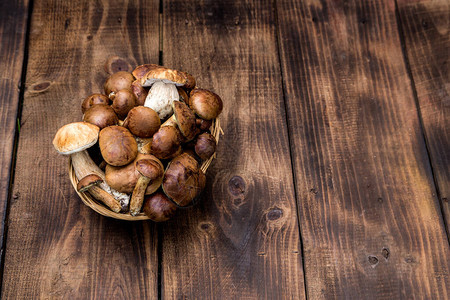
100,208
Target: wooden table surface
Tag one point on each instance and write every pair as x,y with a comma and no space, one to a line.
331,182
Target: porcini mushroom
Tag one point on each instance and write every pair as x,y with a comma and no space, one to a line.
185,119
205,145
101,115
73,139
124,178
183,180
142,121
163,91
158,207
93,100
139,91
166,142
117,145
118,81
123,101
206,104
149,171
141,70
90,184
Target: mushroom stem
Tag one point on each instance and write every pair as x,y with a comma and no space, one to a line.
83,165
105,197
137,198
160,98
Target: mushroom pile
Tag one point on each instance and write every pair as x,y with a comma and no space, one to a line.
140,146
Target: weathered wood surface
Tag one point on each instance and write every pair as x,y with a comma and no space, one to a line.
370,220
57,247
242,240
426,28
13,23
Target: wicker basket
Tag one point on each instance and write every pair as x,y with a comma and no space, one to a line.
100,208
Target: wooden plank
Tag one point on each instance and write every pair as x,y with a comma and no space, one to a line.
426,29
13,22
370,218
242,240
56,246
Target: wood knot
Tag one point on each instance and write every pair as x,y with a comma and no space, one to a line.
409,260
236,186
115,64
41,86
313,191
385,252
380,200
373,260
205,226
274,214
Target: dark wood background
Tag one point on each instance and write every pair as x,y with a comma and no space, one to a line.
331,181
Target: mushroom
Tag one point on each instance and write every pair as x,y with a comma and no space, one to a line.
117,145
123,101
183,96
72,139
118,81
205,145
142,121
149,170
206,104
203,125
90,184
183,180
163,91
141,70
101,115
158,207
124,178
93,100
185,119
166,142
139,91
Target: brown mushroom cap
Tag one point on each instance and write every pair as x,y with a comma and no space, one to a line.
124,179
139,91
87,182
123,101
185,119
75,137
101,115
141,70
142,121
118,81
118,145
182,180
183,95
190,80
93,100
166,142
205,103
149,168
158,207
205,145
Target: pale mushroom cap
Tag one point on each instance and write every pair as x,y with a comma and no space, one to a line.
141,70
165,75
75,137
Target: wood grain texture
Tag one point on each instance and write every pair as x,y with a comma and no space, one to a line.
13,22
56,246
242,240
426,29
370,220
